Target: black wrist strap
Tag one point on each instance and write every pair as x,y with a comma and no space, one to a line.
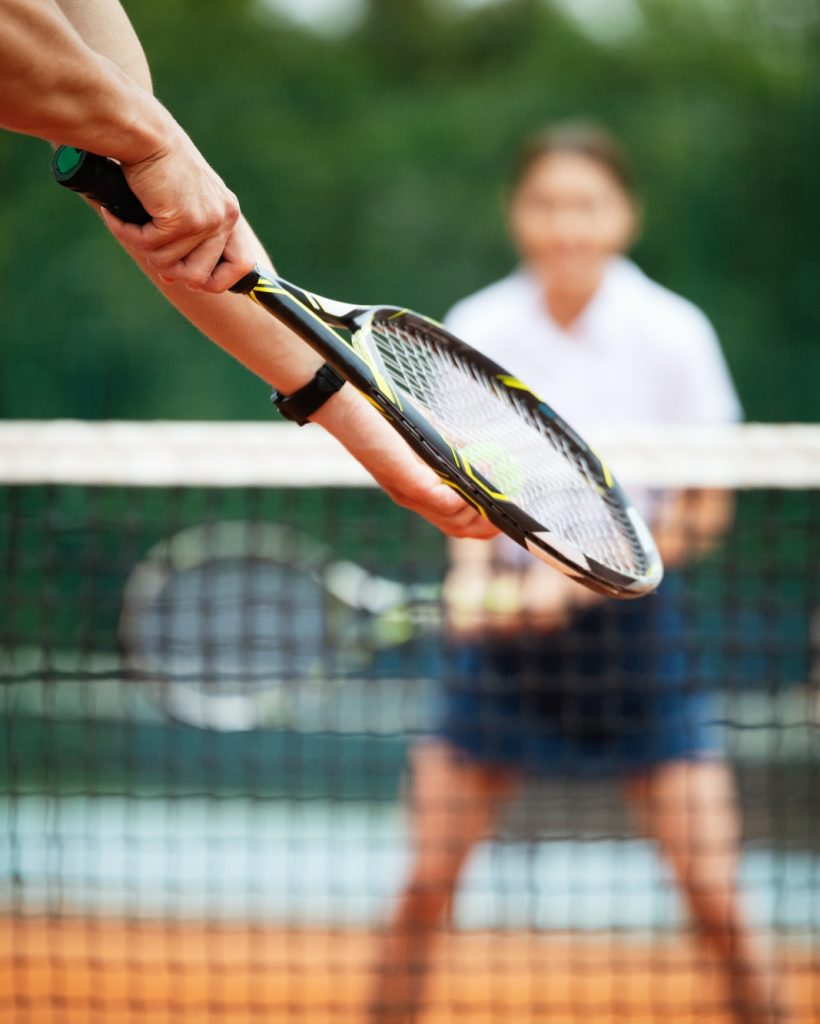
302,404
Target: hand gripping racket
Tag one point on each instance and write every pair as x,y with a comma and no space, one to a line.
481,429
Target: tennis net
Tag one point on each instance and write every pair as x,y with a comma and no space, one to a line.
220,645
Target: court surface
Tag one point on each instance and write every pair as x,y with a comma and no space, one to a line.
108,922
74,971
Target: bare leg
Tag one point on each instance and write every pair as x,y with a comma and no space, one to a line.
453,803
691,809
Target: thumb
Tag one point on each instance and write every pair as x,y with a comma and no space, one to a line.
444,499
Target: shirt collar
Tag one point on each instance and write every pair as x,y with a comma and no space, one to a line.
618,272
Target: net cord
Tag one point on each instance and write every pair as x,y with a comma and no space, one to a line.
157,454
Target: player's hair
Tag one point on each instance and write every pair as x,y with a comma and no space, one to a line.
582,138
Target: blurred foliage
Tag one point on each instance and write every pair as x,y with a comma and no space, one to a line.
373,165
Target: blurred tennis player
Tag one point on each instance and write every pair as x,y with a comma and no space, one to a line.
74,72
545,677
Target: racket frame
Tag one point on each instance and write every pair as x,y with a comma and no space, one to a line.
360,612
318,321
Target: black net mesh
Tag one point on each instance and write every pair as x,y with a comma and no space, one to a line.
210,698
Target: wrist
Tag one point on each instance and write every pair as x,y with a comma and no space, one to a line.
337,414
300,405
123,120
148,133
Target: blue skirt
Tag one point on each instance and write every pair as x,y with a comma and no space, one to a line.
615,693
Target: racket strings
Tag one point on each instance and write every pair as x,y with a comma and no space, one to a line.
516,451
221,623
595,496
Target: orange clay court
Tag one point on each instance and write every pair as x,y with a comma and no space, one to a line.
73,971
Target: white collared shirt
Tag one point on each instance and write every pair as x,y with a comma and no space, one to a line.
638,353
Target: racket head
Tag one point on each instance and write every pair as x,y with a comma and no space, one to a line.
507,452
228,626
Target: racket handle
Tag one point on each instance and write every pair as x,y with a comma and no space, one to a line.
99,179
103,180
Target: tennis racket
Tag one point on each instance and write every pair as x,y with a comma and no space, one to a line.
239,625
480,428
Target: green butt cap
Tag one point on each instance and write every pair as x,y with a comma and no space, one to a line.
66,160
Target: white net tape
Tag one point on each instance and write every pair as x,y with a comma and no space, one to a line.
284,455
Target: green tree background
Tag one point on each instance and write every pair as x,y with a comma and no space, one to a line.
373,164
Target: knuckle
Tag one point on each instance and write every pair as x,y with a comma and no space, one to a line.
231,208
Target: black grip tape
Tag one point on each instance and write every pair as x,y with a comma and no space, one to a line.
247,283
102,180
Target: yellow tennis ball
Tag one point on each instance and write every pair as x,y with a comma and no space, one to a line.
501,468
393,628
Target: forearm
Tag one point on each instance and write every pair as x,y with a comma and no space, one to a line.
244,330
53,85
253,337
78,76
